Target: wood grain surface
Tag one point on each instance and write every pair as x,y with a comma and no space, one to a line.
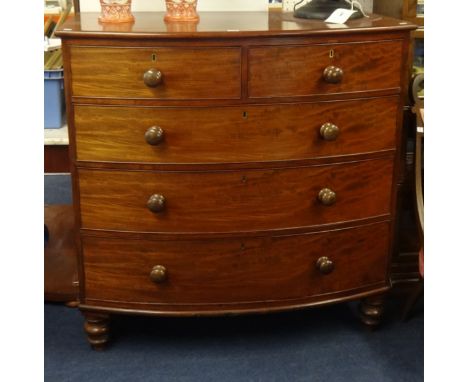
224,25
241,164
60,255
228,201
235,134
234,270
187,72
297,70
56,159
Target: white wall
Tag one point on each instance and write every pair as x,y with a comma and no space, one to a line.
203,5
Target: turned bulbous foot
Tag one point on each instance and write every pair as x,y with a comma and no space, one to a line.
97,329
371,311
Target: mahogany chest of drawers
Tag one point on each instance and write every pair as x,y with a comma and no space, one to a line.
243,164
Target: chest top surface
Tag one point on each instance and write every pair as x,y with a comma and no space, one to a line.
224,25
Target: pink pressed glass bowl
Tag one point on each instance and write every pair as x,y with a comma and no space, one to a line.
181,10
116,11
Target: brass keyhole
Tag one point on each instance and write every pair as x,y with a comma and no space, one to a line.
245,115
332,53
153,57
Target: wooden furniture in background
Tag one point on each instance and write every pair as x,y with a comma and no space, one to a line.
60,257
56,159
60,254
418,109
409,12
404,9
405,263
237,167
56,153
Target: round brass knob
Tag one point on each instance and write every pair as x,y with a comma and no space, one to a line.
154,135
152,78
329,131
333,74
325,265
156,203
327,197
158,274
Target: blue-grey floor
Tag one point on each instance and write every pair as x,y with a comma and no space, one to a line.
57,189
323,344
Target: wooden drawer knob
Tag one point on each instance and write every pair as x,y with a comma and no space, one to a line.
327,197
156,203
333,74
329,131
154,135
158,274
152,78
325,265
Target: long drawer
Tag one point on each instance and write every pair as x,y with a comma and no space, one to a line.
187,73
228,201
299,70
234,270
235,134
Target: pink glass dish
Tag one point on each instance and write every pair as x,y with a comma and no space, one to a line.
181,10
116,11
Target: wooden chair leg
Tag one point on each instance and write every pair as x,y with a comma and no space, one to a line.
412,299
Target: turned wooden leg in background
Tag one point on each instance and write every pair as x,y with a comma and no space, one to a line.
97,329
371,310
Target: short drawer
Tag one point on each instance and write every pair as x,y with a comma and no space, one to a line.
235,270
187,73
235,134
236,201
282,71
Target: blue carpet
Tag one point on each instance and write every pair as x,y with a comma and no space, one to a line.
57,189
323,344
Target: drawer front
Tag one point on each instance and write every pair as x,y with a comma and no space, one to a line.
235,134
234,270
187,73
298,70
235,201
